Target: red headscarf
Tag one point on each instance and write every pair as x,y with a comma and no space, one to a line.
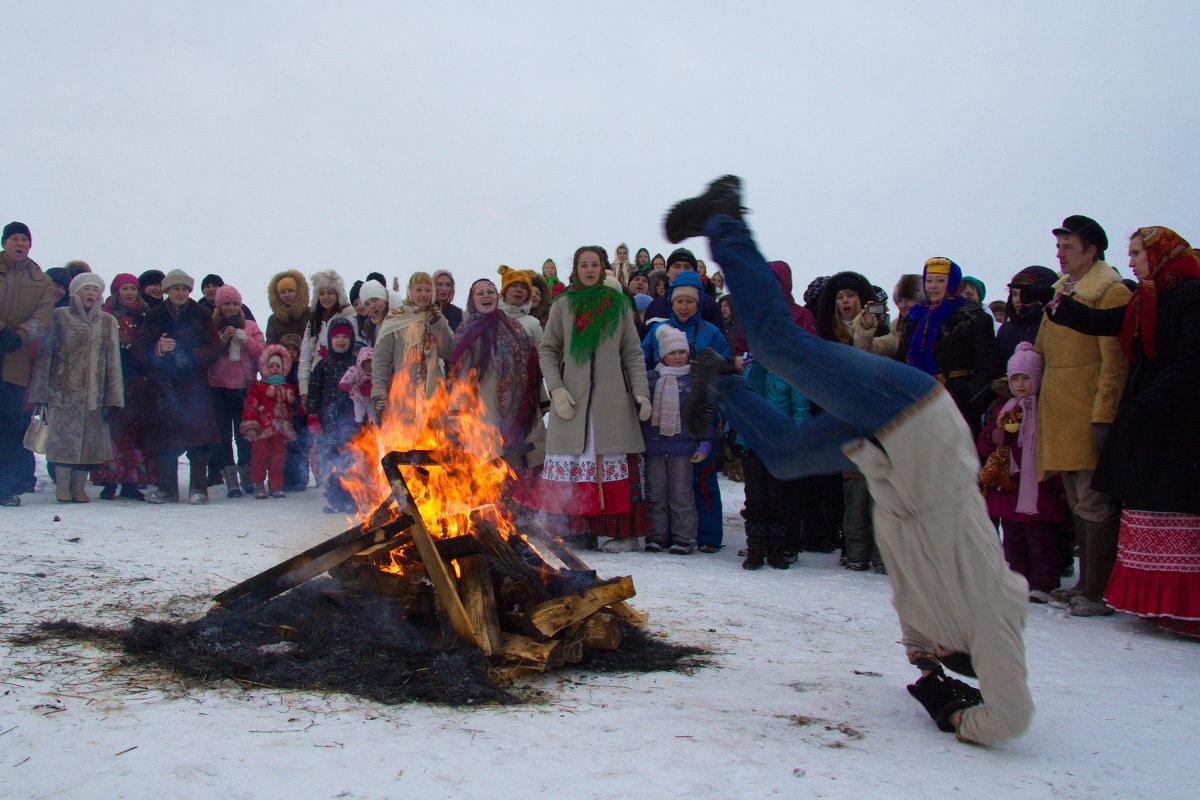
1171,262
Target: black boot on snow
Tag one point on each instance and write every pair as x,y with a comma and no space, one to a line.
756,545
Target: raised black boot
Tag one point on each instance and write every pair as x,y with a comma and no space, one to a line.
687,217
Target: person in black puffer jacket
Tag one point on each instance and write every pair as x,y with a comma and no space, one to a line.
1023,314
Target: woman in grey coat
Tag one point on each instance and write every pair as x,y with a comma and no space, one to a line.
596,374
78,377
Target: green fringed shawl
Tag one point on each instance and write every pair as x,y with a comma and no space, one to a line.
596,314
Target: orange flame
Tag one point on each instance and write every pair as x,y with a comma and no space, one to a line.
463,470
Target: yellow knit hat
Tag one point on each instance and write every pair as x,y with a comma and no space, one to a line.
509,276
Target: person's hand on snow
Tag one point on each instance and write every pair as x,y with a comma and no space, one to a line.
564,404
644,407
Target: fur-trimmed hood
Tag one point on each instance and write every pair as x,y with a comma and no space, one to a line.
827,316
300,308
264,358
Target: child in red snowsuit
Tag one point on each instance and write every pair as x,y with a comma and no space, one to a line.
267,420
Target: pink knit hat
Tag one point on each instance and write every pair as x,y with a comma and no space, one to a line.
1026,361
122,279
228,294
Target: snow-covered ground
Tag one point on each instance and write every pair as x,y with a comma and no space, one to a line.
807,699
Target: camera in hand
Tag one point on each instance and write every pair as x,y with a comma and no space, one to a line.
877,308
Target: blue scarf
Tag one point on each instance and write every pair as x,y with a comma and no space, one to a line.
927,331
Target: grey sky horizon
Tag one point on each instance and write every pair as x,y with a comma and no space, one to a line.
245,139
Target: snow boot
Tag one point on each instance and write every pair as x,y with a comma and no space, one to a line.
687,217
776,542
79,486
625,545
130,491
244,476
62,484
198,481
167,490
260,491
109,492
231,482
757,541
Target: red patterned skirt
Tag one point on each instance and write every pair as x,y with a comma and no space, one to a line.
1157,573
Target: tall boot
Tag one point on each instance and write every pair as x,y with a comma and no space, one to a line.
79,486
231,482
244,475
1065,595
1101,556
776,541
62,484
167,490
756,545
198,483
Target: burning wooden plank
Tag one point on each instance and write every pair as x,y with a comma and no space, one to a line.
552,616
479,599
364,538
435,567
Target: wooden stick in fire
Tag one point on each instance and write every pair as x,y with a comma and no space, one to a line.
436,568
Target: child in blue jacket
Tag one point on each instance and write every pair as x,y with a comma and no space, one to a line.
671,450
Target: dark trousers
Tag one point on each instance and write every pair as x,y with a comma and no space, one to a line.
228,405
16,463
336,460
767,498
1031,549
296,464
856,523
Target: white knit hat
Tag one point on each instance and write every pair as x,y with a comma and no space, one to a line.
670,339
86,279
373,289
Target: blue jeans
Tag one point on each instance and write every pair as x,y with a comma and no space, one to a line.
860,392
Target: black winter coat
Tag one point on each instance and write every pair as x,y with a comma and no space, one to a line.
333,406
1017,328
174,407
967,345
1151,459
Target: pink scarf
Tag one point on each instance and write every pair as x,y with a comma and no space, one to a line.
1027,487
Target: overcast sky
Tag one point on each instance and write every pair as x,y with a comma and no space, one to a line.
246,138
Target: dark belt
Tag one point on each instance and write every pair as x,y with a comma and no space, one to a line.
958,373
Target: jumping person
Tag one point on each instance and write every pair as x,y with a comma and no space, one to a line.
958,602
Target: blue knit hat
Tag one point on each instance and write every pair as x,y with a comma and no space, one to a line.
684,279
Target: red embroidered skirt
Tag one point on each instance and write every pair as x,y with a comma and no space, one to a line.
1158,565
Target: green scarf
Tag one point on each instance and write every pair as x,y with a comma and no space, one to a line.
596,313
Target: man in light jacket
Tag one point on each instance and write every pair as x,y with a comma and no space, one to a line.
26,313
